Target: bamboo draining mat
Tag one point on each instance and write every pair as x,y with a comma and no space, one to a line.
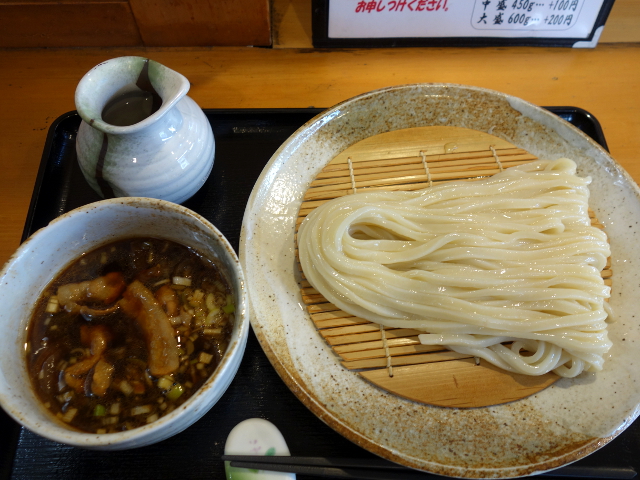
393,358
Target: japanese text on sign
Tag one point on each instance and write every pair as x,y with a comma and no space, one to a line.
526,14
462,18
401,5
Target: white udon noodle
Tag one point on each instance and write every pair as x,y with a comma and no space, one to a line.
511,258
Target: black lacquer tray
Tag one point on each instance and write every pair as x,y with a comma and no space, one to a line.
245,140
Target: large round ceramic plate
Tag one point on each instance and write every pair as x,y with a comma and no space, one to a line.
556,426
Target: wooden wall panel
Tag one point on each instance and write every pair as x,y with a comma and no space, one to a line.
623,24
60,24
291,23
203,22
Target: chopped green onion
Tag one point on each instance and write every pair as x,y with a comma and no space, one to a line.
69,414
65,397
198,296
164,383
229,308
205,357
126,388
152,418
140,410
210,302
181,281
99,411
110,420
53,305
175,392
200,318
212,317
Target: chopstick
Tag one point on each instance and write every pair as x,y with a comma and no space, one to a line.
380,469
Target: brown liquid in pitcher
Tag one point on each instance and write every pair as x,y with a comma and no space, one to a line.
129,108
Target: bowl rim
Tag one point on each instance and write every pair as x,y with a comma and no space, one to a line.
59,432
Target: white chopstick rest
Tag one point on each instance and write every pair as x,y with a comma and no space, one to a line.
255,436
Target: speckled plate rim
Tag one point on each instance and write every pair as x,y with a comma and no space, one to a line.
550,429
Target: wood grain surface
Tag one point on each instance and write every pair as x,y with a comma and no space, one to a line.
38,85
203,22
109,23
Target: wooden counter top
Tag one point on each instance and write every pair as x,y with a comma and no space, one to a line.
37,86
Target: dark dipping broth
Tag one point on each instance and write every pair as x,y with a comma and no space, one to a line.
128,333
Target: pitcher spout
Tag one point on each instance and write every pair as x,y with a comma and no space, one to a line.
126,94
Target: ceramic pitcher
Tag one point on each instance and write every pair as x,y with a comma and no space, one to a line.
141,135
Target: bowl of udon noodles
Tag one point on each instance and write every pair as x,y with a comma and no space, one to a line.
411,253
125,321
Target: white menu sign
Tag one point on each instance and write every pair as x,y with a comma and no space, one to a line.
462,18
